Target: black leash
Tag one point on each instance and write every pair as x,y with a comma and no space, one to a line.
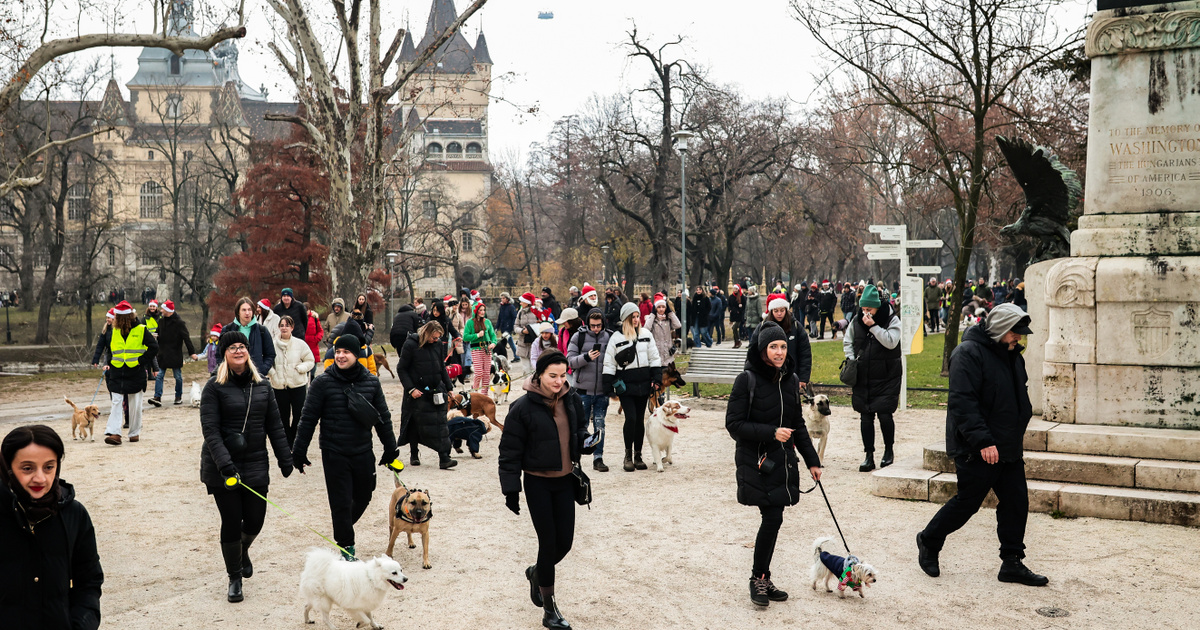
835,523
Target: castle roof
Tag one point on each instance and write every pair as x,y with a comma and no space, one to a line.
481,50
456,55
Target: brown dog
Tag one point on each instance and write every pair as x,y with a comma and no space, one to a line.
83,420
410,511
381,362
670,378
480,405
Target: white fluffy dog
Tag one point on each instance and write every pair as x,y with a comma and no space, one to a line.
356,587
661,428
197,391
849,572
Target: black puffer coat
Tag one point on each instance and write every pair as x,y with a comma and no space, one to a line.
173,332
752,421
879,369
50,578
405,322
989,398
222,413
341,432
799,349
130,380
422,367
530,438
297,312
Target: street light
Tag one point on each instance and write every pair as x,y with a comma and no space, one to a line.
604,266
681,138
392,278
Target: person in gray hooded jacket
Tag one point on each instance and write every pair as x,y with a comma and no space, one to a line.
585,355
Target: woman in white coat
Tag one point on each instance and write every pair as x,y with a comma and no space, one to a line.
633,371
294,361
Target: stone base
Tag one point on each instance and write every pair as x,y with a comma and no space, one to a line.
1122,395
1160,234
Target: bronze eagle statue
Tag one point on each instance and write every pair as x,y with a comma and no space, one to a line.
1052,193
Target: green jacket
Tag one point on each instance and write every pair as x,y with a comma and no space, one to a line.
485,338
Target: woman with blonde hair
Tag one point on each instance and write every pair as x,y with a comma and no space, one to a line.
238,414
633,371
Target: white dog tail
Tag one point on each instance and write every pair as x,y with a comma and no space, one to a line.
818,545
70,403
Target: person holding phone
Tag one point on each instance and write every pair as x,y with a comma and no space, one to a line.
873,337
585,352
764,416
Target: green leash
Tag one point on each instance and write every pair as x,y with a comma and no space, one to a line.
237,480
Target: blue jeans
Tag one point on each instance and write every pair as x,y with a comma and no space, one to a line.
595,407
513,344
158,382
468,429
697,333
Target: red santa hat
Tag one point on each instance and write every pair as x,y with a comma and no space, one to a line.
659,299
123,308
168,307
216,331
812,286
478,307
825,283
526,298
588,292
776,300
110,314
153,303
474,295
265,304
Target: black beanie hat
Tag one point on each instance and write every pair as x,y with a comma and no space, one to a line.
769,332
228,338
348,342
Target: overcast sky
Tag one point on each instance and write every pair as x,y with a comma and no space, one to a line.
559,64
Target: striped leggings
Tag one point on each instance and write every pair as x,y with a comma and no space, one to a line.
481,370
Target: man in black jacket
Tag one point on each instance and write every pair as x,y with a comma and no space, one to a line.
698,312
986,416
406,321
288,305
550,303
337,399
172,331
827,302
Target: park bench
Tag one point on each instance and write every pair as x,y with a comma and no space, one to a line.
714,365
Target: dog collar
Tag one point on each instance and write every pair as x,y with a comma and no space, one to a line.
671,428
407,518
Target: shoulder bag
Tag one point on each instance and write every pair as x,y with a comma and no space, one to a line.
581,485
235,442
361,408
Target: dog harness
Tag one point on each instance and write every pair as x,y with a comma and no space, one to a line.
842,567
405,516
466,400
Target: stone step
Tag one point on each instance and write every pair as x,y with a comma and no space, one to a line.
907,480
1100,470
1114,441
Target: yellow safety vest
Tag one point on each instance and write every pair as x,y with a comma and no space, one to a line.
126,352
152,325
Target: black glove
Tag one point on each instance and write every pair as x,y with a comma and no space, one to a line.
513,501
286,469
229,471
301,461
389,457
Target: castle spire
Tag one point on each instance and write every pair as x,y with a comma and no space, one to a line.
481,50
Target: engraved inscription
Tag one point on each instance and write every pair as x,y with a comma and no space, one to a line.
1153,160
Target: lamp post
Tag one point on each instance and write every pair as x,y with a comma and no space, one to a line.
603,266
7,323
392,279
681,138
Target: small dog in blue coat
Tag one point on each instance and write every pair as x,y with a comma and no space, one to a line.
849,572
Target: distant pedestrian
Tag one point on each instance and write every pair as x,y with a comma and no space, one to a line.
933,299
506,320
480,339
172,333
716,316
210,350
294,361
585,355
405,323
132,350
289,306
662,324
873,338
755,309
336,317
525,332
698,313
737,313
827,302
550,303
267,318
799,348
362,305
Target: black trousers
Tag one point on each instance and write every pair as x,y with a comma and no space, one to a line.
291,403
975,478
933,319
241,512
349,481
551,502
827,316
866,424
635,421
768,533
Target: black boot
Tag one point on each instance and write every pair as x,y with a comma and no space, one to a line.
927,558
888,457
445,461
1013,570
232,553
551,617
758,591
637,461
868,464
247,567
599,466
535,592
628,465
414,459
773,593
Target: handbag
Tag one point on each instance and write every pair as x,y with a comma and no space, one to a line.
849,372
619,387
581,485
235,442
361,408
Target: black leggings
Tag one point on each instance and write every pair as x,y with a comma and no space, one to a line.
241,512
350,481
768,532
867,426
635,420
551,502
291,403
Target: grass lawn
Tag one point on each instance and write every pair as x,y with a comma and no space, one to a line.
924,370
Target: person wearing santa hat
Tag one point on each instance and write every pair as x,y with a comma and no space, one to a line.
150,321
525,320
132,350
799,351
172,331
662,324
101,355
267,318
210,350
588,297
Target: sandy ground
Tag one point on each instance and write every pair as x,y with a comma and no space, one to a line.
668,550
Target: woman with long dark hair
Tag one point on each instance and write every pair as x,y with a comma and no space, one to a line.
764,416
480,339
50,574
873,337
544,437
422,369
238,414
362,305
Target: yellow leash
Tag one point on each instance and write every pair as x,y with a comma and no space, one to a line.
237,480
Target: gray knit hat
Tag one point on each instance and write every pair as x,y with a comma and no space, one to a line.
1006,317
627,309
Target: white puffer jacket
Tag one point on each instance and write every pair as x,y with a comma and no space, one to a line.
293,361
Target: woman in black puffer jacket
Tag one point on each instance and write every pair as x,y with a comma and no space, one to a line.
764,416
239,401
874,338
544,437
422,370
50,574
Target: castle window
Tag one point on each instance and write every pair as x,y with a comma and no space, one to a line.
77,201
174,106
149,155
434,149
474,150
112,256
468,218
468,242
151,201
175,71
430,208
454,149
110,205
430,271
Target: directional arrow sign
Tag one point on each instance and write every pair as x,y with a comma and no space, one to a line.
918,271
880,229
882,247
890,232
883,256
936,244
